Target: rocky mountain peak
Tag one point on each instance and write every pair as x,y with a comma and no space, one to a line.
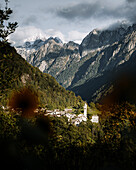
27,44
71,45
99,38
29,48
82,68
56,40
95,32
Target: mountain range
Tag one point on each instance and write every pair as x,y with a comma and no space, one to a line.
88,69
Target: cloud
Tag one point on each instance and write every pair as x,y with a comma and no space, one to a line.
76,36
97,10
131,1
83,10
68,20
30,20
100,12
130,11
30,33
55,33
27,33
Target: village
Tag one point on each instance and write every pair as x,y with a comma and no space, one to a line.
73,118
68,112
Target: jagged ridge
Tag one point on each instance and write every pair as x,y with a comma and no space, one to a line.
75,65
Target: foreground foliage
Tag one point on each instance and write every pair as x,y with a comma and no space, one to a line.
53,143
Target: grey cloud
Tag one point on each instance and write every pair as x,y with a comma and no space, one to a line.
127,12
131,1
99,11
88,10
30,20
1,6
130,12
117,24
83,10
132,16
110,13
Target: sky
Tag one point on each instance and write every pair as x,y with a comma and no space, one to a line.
70,20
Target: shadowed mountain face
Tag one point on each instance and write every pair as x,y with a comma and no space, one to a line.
89,69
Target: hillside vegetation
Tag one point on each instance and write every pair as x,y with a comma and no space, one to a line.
15,73
53,143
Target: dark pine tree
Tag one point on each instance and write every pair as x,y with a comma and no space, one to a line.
6,28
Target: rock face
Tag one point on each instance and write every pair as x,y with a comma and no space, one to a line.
98,39
53,57
30,47
85,68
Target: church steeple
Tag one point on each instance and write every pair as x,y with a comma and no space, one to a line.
85,110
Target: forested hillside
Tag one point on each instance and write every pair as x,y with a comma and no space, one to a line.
16,73
53,143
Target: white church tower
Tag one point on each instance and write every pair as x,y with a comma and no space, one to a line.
85,110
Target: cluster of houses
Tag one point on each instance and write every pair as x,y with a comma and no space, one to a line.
73,118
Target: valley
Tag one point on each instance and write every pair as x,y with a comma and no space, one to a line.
87,69
65,105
